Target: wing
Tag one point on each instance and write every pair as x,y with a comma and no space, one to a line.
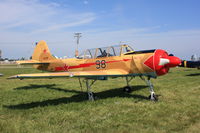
86,74
30,62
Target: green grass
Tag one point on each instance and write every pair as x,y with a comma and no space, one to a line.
59,105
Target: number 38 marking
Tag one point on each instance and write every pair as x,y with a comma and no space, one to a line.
100,64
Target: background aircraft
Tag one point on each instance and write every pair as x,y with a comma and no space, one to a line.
101,63
190,64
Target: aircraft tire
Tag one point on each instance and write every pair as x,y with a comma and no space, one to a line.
155,98
127,89
94,96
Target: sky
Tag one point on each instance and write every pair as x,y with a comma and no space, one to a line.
172,25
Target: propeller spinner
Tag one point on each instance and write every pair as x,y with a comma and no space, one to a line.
160,62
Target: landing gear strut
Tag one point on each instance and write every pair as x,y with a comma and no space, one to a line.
152,95
90,93
128,88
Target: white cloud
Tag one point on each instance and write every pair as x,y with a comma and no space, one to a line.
31,15
24,22
69,24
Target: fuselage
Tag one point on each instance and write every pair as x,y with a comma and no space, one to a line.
120,57
135,63
132,63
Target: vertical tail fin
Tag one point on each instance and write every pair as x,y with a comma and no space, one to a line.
42,52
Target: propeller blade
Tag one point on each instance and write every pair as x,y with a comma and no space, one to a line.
163,61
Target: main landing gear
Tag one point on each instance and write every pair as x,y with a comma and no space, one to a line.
90,93
128,88
89,84
152,95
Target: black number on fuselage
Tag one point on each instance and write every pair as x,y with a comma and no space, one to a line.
103,64
100,64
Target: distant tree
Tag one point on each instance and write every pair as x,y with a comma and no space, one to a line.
22,58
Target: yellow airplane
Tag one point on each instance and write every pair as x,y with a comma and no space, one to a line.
101,63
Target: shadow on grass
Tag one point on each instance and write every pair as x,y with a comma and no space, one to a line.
49,86
82,96
194,74
34,86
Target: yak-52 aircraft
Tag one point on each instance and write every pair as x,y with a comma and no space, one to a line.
101,63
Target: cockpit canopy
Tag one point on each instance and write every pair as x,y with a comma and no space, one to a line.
117,50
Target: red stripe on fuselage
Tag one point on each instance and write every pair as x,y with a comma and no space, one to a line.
66,68
82,65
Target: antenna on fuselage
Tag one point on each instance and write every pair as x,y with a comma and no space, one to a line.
77,35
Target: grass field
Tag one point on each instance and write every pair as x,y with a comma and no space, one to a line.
59,105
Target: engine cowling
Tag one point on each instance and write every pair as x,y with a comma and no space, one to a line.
161,62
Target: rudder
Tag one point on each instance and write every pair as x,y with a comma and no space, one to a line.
42,52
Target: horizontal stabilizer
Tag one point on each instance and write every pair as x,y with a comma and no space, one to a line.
31,62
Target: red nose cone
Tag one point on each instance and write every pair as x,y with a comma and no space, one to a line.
160,62
174,61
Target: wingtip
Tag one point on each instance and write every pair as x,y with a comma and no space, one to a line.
13,77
